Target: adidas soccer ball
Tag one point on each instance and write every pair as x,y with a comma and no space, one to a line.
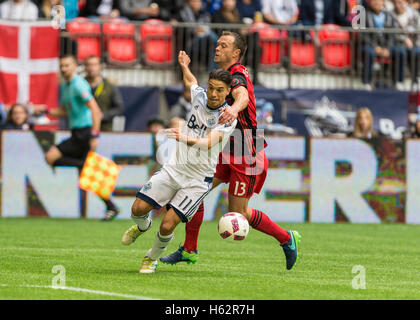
233,226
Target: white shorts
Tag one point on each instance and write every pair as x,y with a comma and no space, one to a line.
184,194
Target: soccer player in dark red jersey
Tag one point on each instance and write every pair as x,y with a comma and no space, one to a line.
245,169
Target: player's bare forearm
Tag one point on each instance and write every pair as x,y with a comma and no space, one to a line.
96,114
206,143
203,143
229,114
184,61
241,97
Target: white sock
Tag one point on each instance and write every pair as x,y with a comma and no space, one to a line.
159,246
142,222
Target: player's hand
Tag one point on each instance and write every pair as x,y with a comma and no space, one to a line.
172,133
229,115
175,133
93,142
183,59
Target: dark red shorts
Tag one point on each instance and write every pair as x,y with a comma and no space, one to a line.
240,184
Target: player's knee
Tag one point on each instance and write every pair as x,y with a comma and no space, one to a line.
139,208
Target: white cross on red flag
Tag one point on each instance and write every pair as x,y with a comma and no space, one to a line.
29,63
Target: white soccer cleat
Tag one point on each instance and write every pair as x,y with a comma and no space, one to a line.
132,234
148,265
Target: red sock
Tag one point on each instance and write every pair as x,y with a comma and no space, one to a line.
261,222
192,229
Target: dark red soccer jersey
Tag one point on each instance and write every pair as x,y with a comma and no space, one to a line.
247,124
247,118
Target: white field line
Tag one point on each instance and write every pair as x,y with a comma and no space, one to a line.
103,293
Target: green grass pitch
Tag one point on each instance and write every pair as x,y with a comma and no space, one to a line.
95,260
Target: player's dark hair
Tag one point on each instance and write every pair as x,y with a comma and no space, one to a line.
69,56
239,42
221,75
93,57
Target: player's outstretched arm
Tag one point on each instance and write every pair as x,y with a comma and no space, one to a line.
184,61
213,138
241,97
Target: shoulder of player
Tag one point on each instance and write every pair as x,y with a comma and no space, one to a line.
199,98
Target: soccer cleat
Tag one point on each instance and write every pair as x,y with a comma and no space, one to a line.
110,215
180,256
291,248
148,265
132,234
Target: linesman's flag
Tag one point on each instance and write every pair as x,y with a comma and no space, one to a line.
99,175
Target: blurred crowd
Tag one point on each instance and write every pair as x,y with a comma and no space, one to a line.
399,49
277,12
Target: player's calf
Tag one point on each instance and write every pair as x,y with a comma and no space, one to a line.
140,215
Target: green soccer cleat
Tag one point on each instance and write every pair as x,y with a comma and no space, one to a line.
291,249
180,256
132,234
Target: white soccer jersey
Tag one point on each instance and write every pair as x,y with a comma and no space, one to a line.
192,161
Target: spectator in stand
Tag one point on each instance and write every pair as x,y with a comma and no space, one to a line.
409,20
139,9
381,45
18,10
169,9
228,13
280,12
212,6
101,8
17,118
317,12
248,8
415,4
183,105
46,8
342,14
72,9
148,9
106,94
200,40
363,125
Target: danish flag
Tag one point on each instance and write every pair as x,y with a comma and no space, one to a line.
29,63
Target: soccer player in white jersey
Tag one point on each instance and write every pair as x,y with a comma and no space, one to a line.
186,179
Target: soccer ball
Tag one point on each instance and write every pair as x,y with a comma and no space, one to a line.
233,226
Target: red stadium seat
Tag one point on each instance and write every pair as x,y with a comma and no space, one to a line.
87,36
120,43
156,40
335,47
302,54
272,42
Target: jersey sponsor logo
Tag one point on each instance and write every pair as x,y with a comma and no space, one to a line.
196,107
197,129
